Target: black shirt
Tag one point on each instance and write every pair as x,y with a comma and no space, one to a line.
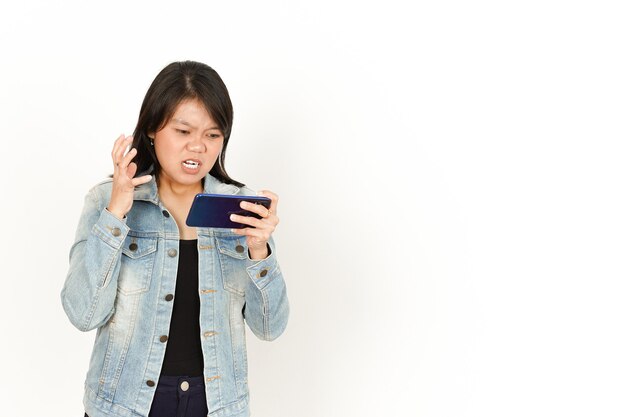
183,353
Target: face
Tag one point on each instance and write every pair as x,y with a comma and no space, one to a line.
188,145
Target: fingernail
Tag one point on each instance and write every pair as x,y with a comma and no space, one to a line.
232,217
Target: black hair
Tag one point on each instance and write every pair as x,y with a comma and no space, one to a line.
175,83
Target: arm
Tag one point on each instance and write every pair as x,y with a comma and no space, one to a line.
90,288
267,308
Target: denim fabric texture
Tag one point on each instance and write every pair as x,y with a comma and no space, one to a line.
120,275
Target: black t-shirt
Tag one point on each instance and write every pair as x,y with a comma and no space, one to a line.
183,353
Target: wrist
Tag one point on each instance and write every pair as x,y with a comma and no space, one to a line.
259,254
120,215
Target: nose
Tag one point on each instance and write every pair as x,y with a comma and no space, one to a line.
196,144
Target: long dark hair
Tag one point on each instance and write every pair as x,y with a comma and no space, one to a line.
177,82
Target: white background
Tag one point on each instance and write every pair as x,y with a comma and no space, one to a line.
451,177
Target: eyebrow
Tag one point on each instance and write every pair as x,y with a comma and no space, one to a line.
182,122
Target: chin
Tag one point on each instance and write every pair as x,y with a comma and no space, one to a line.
189,179
184,178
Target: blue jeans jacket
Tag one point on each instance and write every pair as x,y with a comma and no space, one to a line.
120,274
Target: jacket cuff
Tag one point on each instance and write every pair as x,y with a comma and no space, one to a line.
110,229
263,272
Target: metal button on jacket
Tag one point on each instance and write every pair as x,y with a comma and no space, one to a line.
166,213
239,248
116,231
150,383
163,339
171,253
184,385
169,297
263,273
132,247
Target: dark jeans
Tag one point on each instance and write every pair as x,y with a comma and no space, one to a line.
179,396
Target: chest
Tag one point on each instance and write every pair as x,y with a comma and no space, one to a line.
179,213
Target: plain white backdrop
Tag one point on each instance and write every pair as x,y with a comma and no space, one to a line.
451,178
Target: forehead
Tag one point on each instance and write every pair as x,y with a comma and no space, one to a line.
193,113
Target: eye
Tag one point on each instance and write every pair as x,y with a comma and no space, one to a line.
214,135
182,132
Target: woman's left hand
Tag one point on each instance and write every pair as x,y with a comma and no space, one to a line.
258,235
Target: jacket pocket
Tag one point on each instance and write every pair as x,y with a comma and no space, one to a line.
138,254
233,256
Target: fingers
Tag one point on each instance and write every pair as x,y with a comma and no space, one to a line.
255,208
123,172
271,196
260,229
122,160
125,162
131,170
119,148
267,214
250,221
141,180
116,145
260,235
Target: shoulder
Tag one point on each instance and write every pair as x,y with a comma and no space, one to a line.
214,185
102,190
246,191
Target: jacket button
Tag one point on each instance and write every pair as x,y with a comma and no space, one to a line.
171,253
263,273
239,248
132,247
184,385
163,339
150,383
169,297
116,231
166,213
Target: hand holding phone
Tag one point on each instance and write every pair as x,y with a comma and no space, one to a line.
214,210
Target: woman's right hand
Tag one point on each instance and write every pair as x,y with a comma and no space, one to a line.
123,182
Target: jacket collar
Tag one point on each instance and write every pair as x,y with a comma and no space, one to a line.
149,191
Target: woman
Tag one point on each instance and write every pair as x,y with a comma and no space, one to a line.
169,300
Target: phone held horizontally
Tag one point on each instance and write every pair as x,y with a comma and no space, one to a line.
214,210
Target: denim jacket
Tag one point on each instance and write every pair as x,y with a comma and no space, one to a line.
121,273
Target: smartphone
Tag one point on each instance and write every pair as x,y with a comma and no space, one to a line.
214,210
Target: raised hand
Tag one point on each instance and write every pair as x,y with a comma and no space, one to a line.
124,172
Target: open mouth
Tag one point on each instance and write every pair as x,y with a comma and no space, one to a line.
191,164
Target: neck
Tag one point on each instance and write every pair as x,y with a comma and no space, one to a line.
169,189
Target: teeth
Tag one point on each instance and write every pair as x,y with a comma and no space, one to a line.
190,164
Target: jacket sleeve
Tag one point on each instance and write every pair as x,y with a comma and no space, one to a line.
266,308
90,288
